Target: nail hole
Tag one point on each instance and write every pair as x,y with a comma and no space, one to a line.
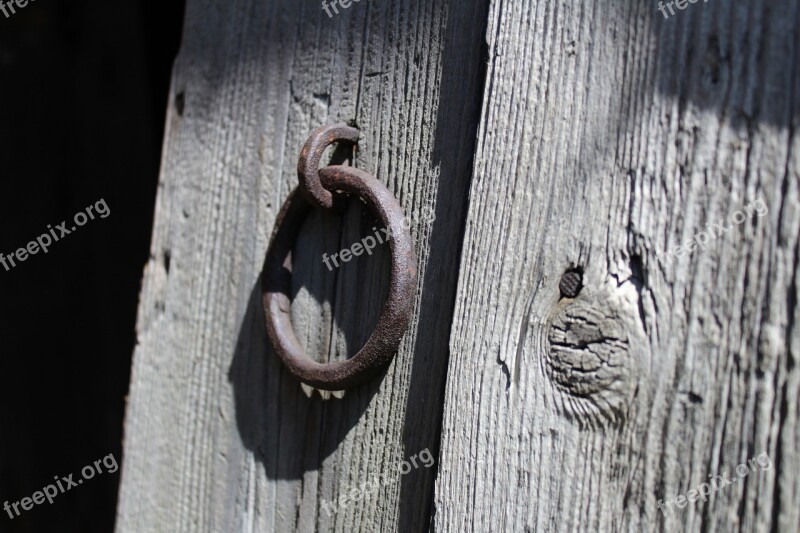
571,283
179,103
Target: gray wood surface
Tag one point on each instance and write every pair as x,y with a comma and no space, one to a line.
218,437
604,136
610,135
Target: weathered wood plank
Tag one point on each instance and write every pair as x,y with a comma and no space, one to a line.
218,436
608,136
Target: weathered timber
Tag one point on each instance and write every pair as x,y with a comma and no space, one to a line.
610,135
218,436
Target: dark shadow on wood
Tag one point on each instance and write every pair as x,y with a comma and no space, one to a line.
273,413
457,120
735,44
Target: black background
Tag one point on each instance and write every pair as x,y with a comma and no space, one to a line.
83,94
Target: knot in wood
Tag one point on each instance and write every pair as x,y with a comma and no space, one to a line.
588,358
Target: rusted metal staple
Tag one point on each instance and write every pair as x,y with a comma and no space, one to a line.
315,190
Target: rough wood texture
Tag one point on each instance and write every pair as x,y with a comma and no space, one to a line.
609,135
218,436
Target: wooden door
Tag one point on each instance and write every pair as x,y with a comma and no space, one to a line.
604,198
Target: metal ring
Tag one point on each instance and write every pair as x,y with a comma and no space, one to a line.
310,155
381,346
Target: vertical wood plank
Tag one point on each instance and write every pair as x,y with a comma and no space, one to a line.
609,135
218,436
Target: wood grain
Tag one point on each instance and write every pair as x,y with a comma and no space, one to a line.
218,436
608,136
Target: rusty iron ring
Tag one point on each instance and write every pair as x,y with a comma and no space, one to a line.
308,164
381,346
